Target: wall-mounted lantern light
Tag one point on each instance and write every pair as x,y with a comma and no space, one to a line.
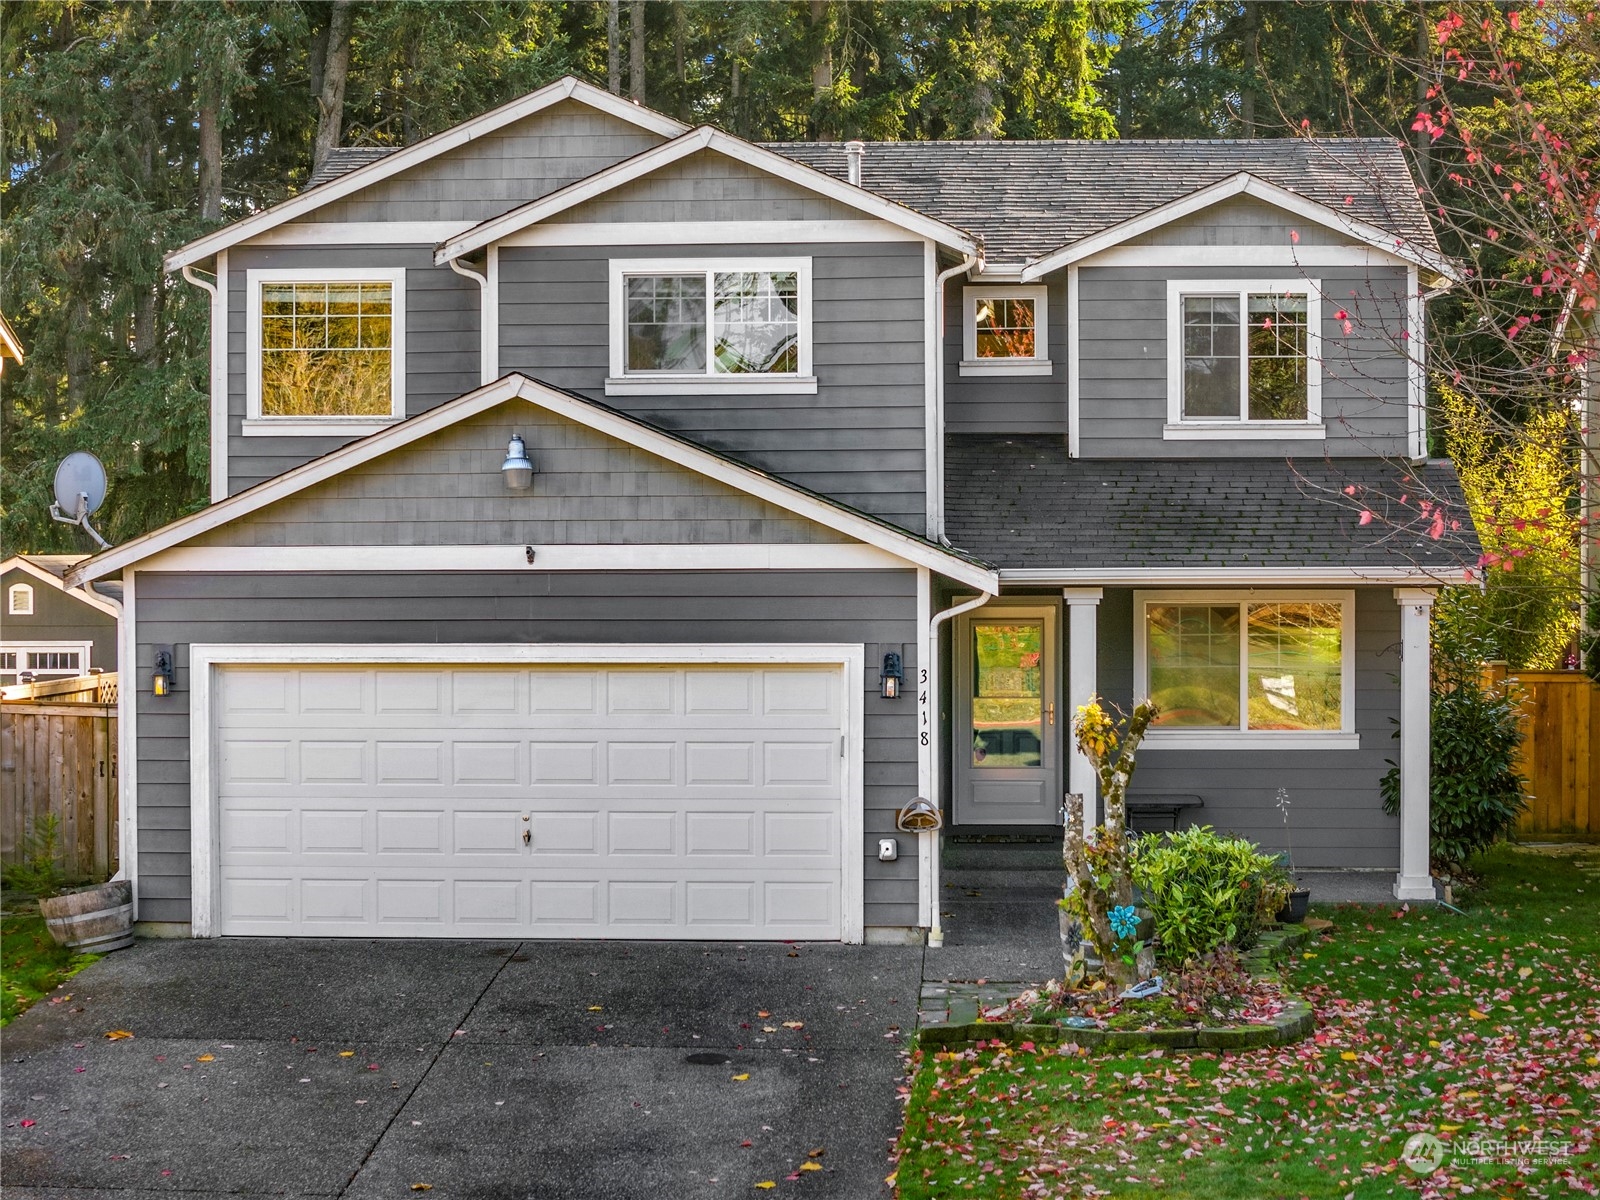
518,467
918,816
166,674
893,676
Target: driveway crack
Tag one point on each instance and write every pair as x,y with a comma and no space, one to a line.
428,1070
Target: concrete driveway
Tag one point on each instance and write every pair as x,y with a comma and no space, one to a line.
527,1070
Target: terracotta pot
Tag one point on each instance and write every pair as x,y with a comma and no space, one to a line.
93,920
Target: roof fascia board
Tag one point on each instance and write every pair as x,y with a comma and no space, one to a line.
703,138
402,160
1240,184
703,462
1236,576
82,594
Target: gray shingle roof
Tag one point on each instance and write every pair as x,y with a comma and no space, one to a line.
1020,502
342,160
1029,198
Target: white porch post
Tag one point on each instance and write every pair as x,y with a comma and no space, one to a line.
1414,882
1083,610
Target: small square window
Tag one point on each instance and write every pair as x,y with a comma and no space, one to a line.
1005,331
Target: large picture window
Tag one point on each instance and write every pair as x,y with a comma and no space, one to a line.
682,325
1270,668
1243,359
325,350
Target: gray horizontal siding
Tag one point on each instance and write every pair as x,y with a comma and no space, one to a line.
589,489
859,439
877,608
441,344
1123,364
998,404
57,616
486,177
1241,221
709,186
1336,816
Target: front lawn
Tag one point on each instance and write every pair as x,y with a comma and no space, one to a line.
31,964
1482,1030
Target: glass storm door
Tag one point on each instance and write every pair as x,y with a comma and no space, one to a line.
1007,735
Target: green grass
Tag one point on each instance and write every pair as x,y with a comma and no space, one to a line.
1484,1025
31,964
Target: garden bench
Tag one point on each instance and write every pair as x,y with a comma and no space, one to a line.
1168,805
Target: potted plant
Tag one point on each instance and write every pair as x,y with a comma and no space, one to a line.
1294,911
93,918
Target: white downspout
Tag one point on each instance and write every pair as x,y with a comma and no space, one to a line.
485,366
936,928
216,399
937,350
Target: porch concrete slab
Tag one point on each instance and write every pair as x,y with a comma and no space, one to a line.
640,1124
270,989
1349,887
700,995
1017,937
260,1117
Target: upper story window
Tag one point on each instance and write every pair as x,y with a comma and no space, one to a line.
1267,669
43,660
1243,360
680,326
19,600
1005,331
326,351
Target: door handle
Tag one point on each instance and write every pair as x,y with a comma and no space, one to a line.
527,837
1050,712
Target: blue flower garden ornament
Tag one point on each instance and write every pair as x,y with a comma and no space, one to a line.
1124,921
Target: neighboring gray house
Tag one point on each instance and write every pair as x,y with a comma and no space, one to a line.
50,631
581,480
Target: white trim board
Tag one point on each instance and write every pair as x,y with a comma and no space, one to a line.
567,88
204,658
1241,184
703,138
82,594
705,233
739,556
1235,576
602,420
1246,256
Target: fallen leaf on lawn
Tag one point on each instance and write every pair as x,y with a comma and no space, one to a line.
347,1054
1348,1056
794,1024
206,1058
1476,1015
810,1166
889,1179
1524,972
118,1035
741,1078
1449,1128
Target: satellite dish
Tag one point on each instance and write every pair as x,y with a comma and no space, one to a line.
80,474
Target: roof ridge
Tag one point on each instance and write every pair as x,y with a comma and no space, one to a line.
1271,141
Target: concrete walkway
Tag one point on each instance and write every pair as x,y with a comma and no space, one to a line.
535,1070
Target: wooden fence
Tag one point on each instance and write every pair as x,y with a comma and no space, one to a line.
1560,753
58,755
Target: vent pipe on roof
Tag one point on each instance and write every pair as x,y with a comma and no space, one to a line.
854,152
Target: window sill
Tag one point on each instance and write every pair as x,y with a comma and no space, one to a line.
1225,740
1001,366
1303,431
332,427
701,385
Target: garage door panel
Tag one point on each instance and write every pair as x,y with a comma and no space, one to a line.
656,801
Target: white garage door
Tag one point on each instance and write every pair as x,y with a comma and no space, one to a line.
627,802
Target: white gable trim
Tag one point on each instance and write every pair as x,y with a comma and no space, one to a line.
602,420
74,591
403,160
704,138
1242,184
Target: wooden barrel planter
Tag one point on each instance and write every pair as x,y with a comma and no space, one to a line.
93,920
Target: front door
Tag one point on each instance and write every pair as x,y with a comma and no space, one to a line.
1007,738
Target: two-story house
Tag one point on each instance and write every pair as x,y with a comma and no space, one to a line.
616,525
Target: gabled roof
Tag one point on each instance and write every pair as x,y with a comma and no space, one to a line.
1031,508
703,138
571,406
1027,199
342,160
383,166
51,570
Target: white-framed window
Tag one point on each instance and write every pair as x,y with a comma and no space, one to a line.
1005,330
19,600
1244,359
686,325
1255,669
44,660
324,350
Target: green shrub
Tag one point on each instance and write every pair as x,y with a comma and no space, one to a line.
1206,890
35,872
1476,794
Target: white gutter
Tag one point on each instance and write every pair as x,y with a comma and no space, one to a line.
1222,576
935,929
937,350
